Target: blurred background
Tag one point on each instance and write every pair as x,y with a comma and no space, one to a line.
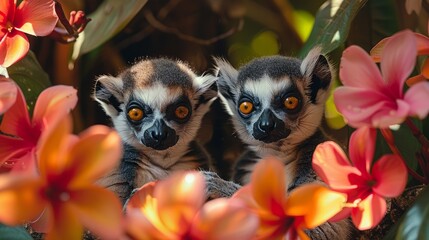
194,31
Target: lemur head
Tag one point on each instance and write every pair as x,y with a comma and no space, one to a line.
156,104
275,100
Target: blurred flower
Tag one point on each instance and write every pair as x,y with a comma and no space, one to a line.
173,209
20,135
422,49
8,90
369,98
35,17
65,191
306,207
365,187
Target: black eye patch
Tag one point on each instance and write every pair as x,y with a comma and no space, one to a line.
132,106
179,111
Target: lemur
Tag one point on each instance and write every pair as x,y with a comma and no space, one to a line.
277,104
156,106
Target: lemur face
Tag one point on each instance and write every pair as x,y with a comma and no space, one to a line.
275,100
156,103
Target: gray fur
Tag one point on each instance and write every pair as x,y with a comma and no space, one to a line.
157,86
267,82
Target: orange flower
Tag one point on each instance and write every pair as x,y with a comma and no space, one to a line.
64,191
422,49
21,135
35,17
8,90
306,207
173,209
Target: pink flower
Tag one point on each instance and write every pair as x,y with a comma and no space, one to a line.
371,98
21,135
35,17
8,90
365,187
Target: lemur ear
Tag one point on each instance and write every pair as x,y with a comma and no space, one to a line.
108,92
317,73
227,79
206,88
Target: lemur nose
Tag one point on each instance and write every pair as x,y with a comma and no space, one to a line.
267,123
159,133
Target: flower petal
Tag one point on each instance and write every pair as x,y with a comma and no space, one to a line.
52,148
224,219
98,151
143,208
99,210
359,105
416,97
36,17
53,104
16,121
315,202
362,148
422,44
13,47
332,166
390,116
11,147
268,183
64,225
7,8
138,226
390,174
179,198
20,199
369,212
398,60
358,70
8,92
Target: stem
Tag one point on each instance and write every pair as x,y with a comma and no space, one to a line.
63,19
418,134
388,136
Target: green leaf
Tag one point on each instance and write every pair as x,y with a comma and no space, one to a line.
14,233
109,18
414,224
30,77
332,24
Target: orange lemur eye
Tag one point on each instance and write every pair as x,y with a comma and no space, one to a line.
135,114
246,107
291,103
181,112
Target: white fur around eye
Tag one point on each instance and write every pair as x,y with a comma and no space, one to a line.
158,96
265,88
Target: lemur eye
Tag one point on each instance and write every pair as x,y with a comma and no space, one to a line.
135,114
181,112
291,103
246,107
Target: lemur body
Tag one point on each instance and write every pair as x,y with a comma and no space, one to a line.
277,104
157,107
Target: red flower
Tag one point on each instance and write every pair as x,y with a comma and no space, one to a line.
21,135
34,17
365,187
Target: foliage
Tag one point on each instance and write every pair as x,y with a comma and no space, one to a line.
121,31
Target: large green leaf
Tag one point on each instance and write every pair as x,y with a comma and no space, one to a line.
415,223
30,77
332,24
109,18
13,233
